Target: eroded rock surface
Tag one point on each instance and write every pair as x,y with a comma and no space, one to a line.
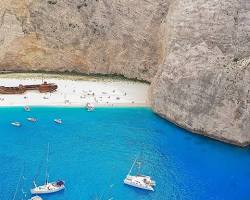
195,53
204,83
89,36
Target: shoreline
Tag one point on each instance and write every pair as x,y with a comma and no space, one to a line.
68,76
76,92
121,105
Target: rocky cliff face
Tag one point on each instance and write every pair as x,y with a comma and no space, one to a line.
204,83
196,53
90,36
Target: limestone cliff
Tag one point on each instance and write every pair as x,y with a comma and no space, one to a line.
195,53
204,83
89,36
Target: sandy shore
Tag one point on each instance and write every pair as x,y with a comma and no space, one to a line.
76,91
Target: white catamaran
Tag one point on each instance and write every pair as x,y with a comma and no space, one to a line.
48,187
139,181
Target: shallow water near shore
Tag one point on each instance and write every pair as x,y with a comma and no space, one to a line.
93,151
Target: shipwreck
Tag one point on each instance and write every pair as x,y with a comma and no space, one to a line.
42,88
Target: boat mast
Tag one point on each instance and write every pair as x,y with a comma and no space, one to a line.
18,184
132,166
47,162
139,168
24,193
34,183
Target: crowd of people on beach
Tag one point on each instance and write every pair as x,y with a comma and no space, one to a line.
86,96
78,93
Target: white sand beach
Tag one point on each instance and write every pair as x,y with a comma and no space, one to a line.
74,92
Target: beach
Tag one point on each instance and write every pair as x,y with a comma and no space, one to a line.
76,91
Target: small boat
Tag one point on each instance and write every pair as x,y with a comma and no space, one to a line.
36,198
17,124
139,181
58,121
27,108
90,107
31,119
48,187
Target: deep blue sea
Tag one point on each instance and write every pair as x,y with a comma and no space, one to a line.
93,151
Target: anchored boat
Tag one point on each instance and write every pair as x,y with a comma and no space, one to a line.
32,119
139,181
58,121
48,187
17,124
36,198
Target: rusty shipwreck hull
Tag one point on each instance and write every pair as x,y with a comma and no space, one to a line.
42,88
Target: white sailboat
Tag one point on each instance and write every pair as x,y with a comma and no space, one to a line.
48,187
139,181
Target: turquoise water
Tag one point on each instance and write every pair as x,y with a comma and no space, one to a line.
93,151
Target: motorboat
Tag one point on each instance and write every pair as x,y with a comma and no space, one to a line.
48,187
58,121
31,119
17,124
36,198
139,181
90,107
27,108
